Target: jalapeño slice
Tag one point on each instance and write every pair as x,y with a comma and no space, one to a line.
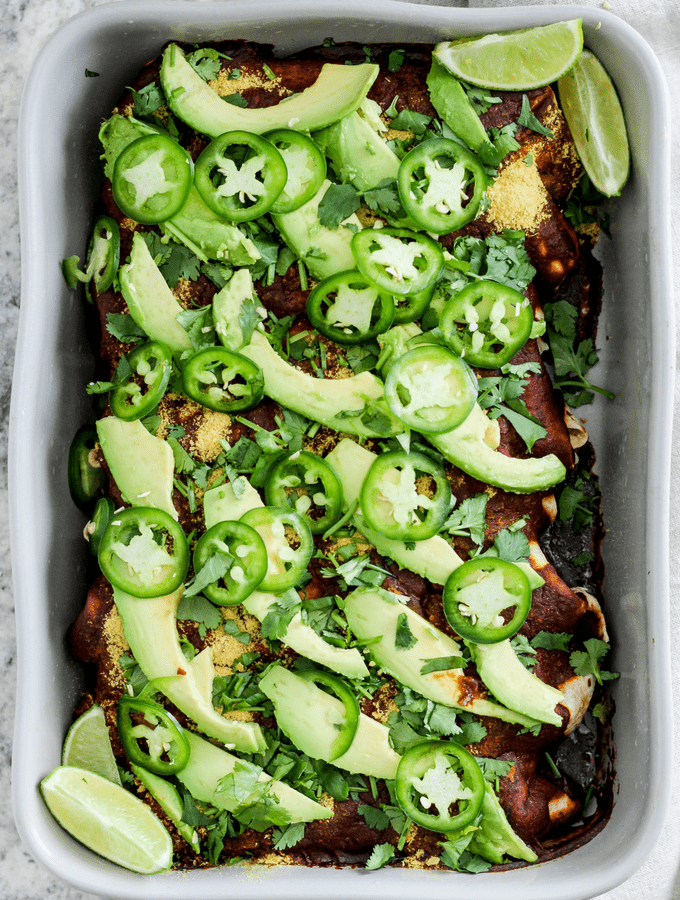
440,786
306,483
222,380
230,560
152,178
144,552
289,543
441,185
487,600
306,167
151,736
141,392
85,481
397,260
349,309
240,175
430,389
487,323
393,503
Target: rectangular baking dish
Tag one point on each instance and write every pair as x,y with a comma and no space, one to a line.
59,183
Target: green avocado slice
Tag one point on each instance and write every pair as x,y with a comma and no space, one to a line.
150,628
337,92
373,614
309,717
207,776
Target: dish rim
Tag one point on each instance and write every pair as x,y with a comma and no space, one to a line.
59,853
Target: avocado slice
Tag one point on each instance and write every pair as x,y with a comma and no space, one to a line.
204,778
151,302
195,225
344,404
337,92
220,504
512,684
357,152
433,558
150,628
304,640
228,306
309,717
373,614
168,798
453,107
324,250
466,448
496,836
143,466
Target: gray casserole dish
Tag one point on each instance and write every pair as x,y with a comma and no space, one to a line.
58,188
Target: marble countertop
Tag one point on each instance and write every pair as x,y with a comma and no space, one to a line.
25,25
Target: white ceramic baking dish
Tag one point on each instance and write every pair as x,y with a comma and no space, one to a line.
60,115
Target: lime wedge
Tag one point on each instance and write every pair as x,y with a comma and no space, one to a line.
594,115
107,819
515,60
88,745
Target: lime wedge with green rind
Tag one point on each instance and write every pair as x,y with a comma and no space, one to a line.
108,819
515,60
88,745
594,115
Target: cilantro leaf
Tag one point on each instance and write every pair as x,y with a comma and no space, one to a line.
404,638
338,203
443,664
527,119
575,503
283,838
395,60
384,198
525,652
280,615
469,518
216,567
443,720
409,120
374,817
147,100
124,328
198,323
205,62
511,545
184,463
502,142
481,99
494,769
582,558
230,627
380,856
587,662
547,640
236,99
200,610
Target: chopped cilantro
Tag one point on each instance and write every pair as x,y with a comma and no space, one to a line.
380,856
280,615
527,119
578,504
404,638
374,817
494,769
236,99
587,662
582,558
443,664
205,62
384,198
283,838
525,652
469,519
395,60
409,120
547,640
147,100
481,99
124,328
338,203
197,609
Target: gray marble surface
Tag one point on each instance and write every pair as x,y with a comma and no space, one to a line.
24,27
